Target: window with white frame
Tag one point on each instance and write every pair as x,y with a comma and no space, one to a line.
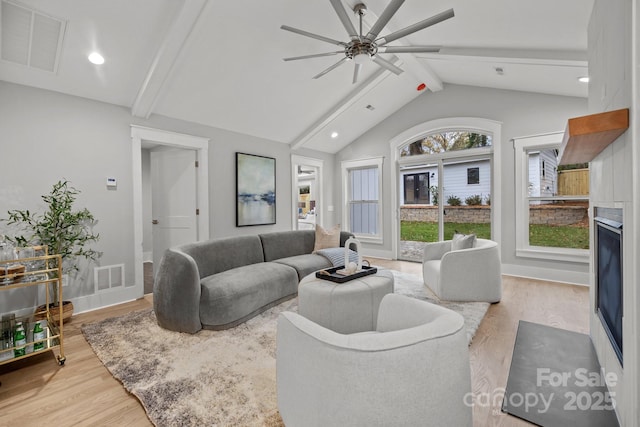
362,197
552,201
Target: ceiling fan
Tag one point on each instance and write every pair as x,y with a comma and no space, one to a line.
364,48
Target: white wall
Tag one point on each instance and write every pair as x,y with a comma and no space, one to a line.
521,114
614,183
48,136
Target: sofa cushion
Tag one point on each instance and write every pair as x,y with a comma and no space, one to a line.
218,255
327,238
284,244
306,264
242,292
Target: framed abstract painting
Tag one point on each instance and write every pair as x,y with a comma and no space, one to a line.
255,190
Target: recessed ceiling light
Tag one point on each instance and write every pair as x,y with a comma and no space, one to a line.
583,79
334,135
96,58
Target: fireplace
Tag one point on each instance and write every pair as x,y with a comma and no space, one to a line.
608,265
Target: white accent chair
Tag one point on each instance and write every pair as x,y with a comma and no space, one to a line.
472,274
413,370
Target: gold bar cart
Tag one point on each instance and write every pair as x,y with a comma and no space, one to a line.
45,269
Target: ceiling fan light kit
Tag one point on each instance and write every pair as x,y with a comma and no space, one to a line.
366,48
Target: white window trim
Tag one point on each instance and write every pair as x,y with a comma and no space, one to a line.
523,249
348,165
471,124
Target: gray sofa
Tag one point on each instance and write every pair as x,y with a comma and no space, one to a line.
221,283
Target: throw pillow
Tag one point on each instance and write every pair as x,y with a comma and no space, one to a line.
336,255
463,241
327,238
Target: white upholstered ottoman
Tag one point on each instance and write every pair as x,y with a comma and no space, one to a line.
344,307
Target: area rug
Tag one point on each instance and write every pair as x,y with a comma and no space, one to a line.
555,380
214,378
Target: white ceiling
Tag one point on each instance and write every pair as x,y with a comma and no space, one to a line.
220,63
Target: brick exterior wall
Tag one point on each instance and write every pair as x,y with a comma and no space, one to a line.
466,214
560,215
543,214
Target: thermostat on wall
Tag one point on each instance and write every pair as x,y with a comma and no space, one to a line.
112,182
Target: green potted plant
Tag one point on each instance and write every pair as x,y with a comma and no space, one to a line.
62,228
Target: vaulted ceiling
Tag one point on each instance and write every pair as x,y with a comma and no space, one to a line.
221,63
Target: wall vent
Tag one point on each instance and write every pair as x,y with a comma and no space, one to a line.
108,277
29,37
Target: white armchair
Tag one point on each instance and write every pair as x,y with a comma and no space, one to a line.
413,370
463,275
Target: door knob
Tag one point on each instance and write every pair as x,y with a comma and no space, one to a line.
154,221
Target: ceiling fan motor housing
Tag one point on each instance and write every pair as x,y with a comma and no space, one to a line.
357,47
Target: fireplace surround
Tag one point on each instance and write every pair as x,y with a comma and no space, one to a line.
608,274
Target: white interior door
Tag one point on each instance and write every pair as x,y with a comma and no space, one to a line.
174,199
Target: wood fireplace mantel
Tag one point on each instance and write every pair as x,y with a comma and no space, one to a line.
585,137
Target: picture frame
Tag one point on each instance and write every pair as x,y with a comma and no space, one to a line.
255,190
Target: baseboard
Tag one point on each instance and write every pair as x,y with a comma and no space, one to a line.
106,299
377,253
551,275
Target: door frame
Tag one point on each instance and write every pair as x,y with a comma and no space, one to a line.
421,130
176,140
297,160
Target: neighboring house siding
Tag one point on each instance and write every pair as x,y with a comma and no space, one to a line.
543,184
534,175
549,172
456,179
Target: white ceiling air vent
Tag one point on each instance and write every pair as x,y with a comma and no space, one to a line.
29,37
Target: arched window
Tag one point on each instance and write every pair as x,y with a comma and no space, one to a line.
441,142
446,173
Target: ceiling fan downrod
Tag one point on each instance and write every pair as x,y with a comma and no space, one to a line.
360,9
362,48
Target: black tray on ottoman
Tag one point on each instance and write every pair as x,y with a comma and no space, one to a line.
332,276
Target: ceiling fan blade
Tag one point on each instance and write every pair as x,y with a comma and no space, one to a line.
315,55
383,20
346,21
336,65
443,16
356,71
386,64
409,49
312,35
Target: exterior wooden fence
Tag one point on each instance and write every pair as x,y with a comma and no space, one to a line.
574,182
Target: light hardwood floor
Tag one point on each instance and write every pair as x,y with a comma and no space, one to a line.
36,391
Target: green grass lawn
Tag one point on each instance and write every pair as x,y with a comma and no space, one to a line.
539,235
560,236
428,231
